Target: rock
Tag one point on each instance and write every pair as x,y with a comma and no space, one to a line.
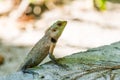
101,63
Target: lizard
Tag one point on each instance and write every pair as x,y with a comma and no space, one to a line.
44,47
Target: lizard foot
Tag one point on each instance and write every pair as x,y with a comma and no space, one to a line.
52,57
30,72
57,63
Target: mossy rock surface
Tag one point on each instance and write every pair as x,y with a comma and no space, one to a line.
101,63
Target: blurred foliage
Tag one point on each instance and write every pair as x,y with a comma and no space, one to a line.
100,5
31,1
114,1
37,7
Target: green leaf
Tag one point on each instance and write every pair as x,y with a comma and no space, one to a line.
100,5
32,1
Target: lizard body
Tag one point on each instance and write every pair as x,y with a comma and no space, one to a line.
44,46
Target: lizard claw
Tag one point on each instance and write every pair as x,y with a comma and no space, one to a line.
30,72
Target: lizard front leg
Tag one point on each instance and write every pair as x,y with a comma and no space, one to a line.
51,56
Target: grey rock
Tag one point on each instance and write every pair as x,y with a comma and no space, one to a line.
102,63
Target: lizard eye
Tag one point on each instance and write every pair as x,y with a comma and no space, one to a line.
59,24
54,30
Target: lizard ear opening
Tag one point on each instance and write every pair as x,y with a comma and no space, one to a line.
53,40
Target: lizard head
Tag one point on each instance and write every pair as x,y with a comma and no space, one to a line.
56,30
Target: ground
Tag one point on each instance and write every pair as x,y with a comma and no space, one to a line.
86,28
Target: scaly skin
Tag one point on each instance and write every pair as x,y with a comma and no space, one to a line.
44,46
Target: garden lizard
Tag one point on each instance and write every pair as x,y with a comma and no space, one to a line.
44,46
